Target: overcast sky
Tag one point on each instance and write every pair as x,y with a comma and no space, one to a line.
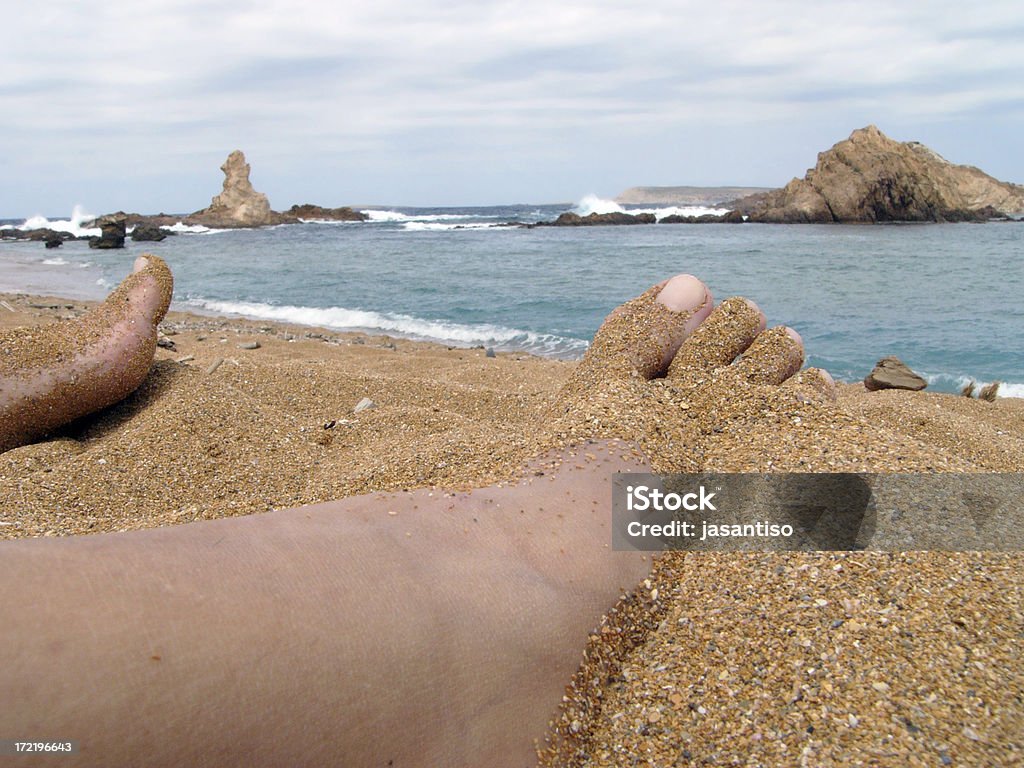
134,106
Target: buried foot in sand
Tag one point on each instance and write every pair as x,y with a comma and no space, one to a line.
54,374
418,628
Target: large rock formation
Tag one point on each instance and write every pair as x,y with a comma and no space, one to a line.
238,204
870,177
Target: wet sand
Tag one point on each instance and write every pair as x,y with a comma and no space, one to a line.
739,659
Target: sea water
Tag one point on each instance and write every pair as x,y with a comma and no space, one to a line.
945,298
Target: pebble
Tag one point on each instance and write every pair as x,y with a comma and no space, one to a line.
364,405
249,345
215,365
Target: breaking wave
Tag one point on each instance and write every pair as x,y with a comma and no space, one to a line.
951,382
594,204
406,326
73,225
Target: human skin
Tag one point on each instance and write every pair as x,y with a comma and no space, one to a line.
412,629
53,374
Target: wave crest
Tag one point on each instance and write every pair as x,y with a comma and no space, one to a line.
406,326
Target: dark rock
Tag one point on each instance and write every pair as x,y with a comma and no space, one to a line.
35,235
309,211
149,233
112,231
731,217
892,373
570,219
53,241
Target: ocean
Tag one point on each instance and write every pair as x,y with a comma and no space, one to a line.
945,298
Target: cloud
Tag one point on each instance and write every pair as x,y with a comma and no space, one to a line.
186,81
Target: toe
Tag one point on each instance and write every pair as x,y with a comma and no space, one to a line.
813,384
641,337
146,293
775,355
727,332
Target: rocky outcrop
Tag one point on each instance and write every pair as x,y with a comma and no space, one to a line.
570,219
872,178
892,373
112,231
308,211
732,217
149,233
238,204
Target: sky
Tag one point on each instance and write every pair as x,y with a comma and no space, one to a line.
119,105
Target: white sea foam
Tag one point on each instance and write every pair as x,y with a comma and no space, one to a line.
397,216
594,204
192,229
57,262
457,334
1006,389
437,226
328,221
72,225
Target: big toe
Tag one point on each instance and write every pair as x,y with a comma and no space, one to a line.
147,291
642,336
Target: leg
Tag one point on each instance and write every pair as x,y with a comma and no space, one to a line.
421,628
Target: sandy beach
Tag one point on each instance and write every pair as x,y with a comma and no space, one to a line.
718,659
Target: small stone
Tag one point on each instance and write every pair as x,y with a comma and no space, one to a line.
249,345
164,343
881,687
490,352
892,373
364,405
215,365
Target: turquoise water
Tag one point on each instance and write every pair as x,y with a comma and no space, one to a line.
944,298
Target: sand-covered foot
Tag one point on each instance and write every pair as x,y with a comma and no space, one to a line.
54,374
667,370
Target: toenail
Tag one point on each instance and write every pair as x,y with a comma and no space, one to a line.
794,335
683,293
760,314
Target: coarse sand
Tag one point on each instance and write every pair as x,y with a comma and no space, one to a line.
899,659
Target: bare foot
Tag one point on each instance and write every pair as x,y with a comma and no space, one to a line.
666,370
54,374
